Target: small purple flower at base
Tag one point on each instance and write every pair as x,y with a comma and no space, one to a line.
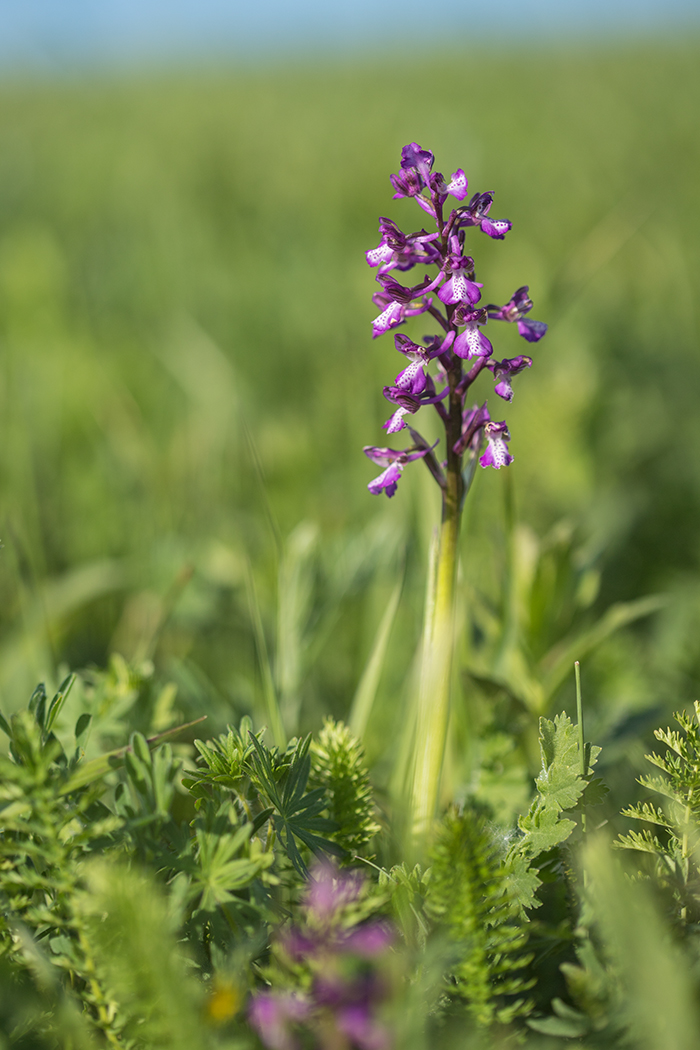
476,214
329,890
503,370
393,461
363,1031
368,940
496,454
514,310
272,1014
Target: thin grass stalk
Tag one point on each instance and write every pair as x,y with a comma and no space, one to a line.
272,708
366,691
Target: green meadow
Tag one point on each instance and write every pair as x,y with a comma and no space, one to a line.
187,378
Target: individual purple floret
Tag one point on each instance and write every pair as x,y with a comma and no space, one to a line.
514,310
396,251
454,358
458,288
496,454
503,370
394,462
471,342
410,395
457,186
414,176
394,312
476,214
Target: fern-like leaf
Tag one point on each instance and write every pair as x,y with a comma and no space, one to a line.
468,898
338,768
560,787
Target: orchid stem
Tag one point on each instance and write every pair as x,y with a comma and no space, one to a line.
436,670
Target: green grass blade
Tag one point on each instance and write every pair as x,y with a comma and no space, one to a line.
270,698
366,691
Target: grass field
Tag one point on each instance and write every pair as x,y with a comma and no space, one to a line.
187,375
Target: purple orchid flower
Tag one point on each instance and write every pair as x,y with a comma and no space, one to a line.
396,251
416,164
503,370
455,307
413,156
417,389
393,461
394,313
413,351
471,342
400,293
458,288
476,214
496,454
514,310
457,186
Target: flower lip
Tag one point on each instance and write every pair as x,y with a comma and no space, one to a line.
393,460
457,186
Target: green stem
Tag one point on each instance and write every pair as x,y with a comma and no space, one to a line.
434,691
579,716
581,735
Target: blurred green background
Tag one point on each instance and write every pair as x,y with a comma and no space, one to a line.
187,375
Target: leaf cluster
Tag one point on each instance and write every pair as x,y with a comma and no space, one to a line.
669,840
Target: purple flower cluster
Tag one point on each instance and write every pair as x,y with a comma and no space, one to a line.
461,321
346,989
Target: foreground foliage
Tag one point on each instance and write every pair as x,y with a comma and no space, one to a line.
151,899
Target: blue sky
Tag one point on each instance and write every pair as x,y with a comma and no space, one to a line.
56,33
